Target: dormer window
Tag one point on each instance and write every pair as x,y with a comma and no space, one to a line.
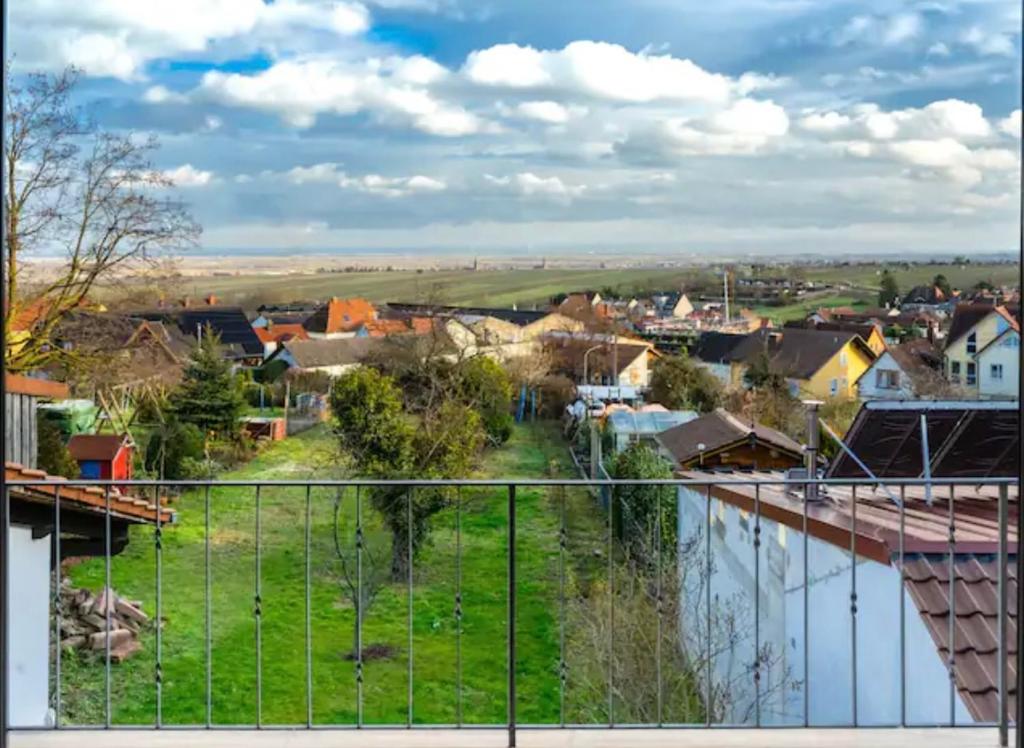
972,343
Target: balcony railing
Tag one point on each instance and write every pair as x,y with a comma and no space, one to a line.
663,561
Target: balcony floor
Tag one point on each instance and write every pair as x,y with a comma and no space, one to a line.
838,738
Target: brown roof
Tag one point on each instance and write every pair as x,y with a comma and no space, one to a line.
720,430
312,354
90,499
96,446
21,385
795,352
976,629
966,316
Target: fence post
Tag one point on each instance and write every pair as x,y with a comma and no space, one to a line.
511,615
1004,529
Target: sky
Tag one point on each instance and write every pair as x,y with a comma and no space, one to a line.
562,126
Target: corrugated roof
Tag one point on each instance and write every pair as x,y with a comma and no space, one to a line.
91,499
975,642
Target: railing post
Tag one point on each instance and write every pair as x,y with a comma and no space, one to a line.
1004,529
57,610
511,615
5,570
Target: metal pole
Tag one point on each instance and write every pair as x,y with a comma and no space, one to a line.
611,607
563,542
951,570
56,606
511,716
158,673
757,605
458,607
853,602
708,698
409,549
209,613
659,609
1004,529
309,610
810,494
5,570
359,607
258,614
106,606
903,610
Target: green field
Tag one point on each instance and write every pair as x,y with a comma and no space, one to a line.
535,286
782,314
532,452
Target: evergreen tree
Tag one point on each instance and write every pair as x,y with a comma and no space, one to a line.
942,283
52,453
209,395
889,293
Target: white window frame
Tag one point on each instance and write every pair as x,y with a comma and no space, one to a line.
995,372
971,376
972,343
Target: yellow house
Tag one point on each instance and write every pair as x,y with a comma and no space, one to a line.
817,363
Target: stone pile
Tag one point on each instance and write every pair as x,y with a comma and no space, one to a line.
83,621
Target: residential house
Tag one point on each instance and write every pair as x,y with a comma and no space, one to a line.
237,337
332,357
713,351
297,313
900,591
723,441
817,363
601,359
273,335
102,456
973,329
928,299
870,332
30,538
999,365
886,379
339,319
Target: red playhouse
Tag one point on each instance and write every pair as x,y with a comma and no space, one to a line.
102,456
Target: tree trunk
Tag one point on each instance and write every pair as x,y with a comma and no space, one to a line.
399,555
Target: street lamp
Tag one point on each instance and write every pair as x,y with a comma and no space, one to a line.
585,354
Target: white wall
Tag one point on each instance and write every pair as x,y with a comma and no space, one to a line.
1007,354
867,386
879,590
722,371
29,664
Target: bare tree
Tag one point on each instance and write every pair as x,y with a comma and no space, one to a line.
93,199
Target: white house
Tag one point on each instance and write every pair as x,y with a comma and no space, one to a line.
835,638
332,357
885,379
999,366
973,329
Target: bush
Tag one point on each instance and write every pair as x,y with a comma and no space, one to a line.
679,383
171,446
52,453
485,387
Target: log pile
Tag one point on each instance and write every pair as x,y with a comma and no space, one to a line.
83,622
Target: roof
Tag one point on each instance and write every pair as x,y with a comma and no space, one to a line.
715,347
91,499
915,355
21,385
647,422
795,352
280,333
925,295
967,316
520,317
314,354
975,439
1015,330
228,322
719,430
926,562
96,446
865,329
976,628
340,315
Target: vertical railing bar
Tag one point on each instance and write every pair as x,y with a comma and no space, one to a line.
209,611
409,548
458,606
659,602
903,609
56,606
359,607
812,473
309,609
511,634
951,569
5,594
757,604
159,674
258,613
708,697
853,601
610,493
563,541
1004,732
106,605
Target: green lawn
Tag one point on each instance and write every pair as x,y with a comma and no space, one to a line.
533,452
781,314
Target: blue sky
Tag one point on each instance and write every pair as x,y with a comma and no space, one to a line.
578,125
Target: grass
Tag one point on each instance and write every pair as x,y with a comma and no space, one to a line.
782,314
533,451
960,276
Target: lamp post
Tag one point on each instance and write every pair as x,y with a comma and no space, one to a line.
585,354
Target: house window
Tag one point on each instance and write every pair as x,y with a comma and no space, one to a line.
887,380
1012,342
954,372
996,371
833,387
842,358
972,343
972,373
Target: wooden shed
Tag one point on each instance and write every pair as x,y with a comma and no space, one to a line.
102,456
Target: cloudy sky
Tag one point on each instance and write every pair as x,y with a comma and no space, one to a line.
562,125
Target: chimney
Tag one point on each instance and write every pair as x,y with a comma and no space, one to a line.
813,446
186,302
211,300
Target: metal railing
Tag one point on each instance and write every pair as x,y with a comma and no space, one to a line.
619,551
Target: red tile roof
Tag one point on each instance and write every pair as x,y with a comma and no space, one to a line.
90,499
341,315
976,628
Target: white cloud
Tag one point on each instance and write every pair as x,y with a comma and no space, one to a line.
117,38
988,42
948,118
886,31
825,122
939,49
596,69
187,176
163,95
300,90
550,112
374,184
901,28
529,184
752,117
1011,125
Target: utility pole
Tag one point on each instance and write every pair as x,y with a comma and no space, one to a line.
725,281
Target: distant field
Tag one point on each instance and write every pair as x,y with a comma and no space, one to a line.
533,286
801,310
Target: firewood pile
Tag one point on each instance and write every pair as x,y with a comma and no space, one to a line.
83,622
